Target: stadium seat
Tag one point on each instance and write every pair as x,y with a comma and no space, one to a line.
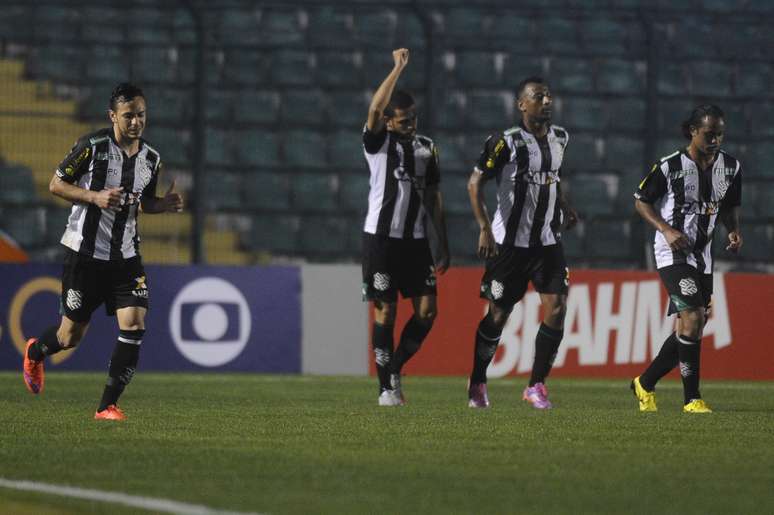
304,149
623,153
348,109
276,233
571,75
338,69
506,26
184,31
627,114
671,78
153,64
710,78
454,156
759,196
346,150
378,63
353,192
238,26
454,190
701,31
410,33
218,106
143,32
758,242
329,236
107,64
246,67
461,24
582,113
590,195
375,29
302,107
330,27
489,111
172,144
218,144
761,159
609,239
604,35
583,154
314,191
450,110
761,116
558,34
257,107
186,67
573,242
26,226
477,69
291,68
56,63
620,76
258,148
528,66
282,28
266,190
223,190
15,23
463,236
16,184
667,146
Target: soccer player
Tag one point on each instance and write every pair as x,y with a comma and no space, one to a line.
396,255
682,197
108,176
523,241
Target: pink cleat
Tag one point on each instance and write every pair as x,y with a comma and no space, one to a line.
477,396
537,395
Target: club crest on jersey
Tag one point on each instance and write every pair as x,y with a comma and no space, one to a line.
74,299
144,172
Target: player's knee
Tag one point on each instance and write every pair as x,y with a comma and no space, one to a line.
692,322
498,316
426,316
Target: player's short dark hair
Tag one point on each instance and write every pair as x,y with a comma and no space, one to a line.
521,86
698,114
400,99
124,92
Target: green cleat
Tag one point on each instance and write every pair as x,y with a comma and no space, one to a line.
646,399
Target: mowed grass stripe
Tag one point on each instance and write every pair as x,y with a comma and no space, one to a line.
292,444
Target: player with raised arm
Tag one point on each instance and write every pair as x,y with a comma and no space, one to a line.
682,198
403,195
522,243
109,175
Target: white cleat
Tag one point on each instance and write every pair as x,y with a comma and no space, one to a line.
396,387
389,398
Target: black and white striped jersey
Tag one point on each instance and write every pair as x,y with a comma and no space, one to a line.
400,172
96,162
528,173
689,200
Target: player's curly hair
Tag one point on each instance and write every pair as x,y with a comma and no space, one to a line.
698,114
124,92
400,99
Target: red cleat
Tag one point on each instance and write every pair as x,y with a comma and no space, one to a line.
34,375
112,412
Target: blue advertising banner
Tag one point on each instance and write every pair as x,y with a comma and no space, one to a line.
200,318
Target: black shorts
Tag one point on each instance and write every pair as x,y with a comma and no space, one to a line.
88,282
508,274
687,287
392,264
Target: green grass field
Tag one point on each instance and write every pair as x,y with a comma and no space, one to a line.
294,444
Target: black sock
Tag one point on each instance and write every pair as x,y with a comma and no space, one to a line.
411,339
661,365
487,339
123,364
382,344
546,346
689,354
46,345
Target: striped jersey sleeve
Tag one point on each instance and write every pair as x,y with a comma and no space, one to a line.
76,163
653,186
494,156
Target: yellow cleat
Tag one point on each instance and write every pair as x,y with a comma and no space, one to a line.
697,406
646,399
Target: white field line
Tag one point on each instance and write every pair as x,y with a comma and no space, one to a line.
134,501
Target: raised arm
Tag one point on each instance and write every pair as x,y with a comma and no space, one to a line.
375,122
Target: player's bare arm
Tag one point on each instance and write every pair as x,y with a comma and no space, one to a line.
730,219
676,239
570,215
486,242
439,223
171,202
110,198
375,122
